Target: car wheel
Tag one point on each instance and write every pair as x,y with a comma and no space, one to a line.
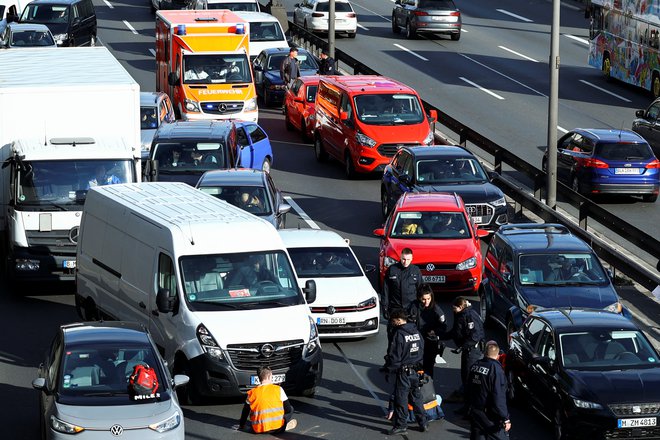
92,40
287,121
265,166
352,34
575,184
484,311
410,32
303,130
384,203
607,66
650,197
456,36
319,151
187,394
395,27
349,169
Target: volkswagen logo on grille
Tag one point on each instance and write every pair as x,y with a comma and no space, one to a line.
116,430
73,234
430,267
267,350
222,107
330,310
637,409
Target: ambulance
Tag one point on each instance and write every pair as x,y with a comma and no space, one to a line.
203,65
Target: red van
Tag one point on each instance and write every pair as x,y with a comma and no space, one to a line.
362,120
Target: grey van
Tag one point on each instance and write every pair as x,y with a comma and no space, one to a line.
72,22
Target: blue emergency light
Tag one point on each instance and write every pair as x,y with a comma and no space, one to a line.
181,29
240,28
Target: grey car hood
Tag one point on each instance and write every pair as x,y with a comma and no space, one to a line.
103,417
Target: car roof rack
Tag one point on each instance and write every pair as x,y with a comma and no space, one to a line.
531,228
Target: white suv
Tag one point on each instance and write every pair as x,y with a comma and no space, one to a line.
313,16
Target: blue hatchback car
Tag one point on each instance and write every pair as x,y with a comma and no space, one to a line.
604,161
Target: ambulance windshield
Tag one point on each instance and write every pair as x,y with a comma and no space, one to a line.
216,69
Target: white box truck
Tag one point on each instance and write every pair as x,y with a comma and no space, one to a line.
213,283
65,116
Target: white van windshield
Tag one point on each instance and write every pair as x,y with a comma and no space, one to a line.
234,6
240,280
388,109
266,31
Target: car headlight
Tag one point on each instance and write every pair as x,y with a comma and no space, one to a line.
208,343
313,343
617,307
499,202
470,263
583,404
429,139
250,105
64,427
60,38
365,140
191,106
168,424
388,261
368,304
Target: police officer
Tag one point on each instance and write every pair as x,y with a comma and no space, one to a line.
487,390
327,64
430,320
468,334
405,359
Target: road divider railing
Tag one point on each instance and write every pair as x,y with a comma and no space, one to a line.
529,197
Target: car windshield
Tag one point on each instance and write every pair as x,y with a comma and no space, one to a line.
63,184
449,171
311,93
184,157
267,31
31,38
607,350
324,262
252,199
434,225
388,109
239,280
305,61
45,13
339,7
625,152
214,69
561,269
148,118
239,6
98,374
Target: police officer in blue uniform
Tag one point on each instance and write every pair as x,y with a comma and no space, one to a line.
487,390
404,360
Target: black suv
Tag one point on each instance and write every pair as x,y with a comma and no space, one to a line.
72,22
541,265
592,373
444,168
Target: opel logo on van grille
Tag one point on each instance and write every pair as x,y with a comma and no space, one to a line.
73,234
116,430
430,267
267,350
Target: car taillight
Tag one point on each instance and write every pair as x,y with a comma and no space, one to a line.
653,164
351,15
455,14
594,163
421,13
317,14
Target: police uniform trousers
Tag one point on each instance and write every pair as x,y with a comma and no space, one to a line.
482,428
469,358
407,384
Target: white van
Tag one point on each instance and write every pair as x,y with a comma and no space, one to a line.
265,32
232,5
213,284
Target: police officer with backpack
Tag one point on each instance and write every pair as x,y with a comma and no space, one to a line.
487,389
404,360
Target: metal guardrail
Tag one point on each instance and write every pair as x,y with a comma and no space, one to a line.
586,208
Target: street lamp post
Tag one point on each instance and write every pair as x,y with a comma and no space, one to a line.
331,28
551,193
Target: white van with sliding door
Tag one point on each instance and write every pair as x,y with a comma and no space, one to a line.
214,285
265,32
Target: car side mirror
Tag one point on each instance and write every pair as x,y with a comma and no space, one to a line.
180,380
310,291
163,302
640,113
173,79
12,18
284,208
482,233
39,383
380,232
368,268
433,114
343,116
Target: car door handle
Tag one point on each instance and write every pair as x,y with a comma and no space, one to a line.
142,305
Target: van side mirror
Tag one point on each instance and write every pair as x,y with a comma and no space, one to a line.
343,116
163,302
433,114
173,79
12,18
310,291
640,113
39,384
284,208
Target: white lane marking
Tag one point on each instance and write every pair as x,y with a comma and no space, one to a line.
108,4
518,53
578,39
604,90
373,12
570,6
562,129
153,52
481,88
301,213
367,385
511,14
410,52
131,28
503,75
362,27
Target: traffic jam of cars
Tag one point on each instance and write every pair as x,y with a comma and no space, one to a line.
167,315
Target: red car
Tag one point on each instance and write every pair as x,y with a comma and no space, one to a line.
442,236
299,113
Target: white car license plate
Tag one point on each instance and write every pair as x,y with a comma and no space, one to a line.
433,278
627,171
277,378
477,219
69,264
326,321
637,423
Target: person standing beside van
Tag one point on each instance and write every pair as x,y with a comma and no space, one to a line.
289,69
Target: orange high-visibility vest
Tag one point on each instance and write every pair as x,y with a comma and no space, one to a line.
266,408
427,406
